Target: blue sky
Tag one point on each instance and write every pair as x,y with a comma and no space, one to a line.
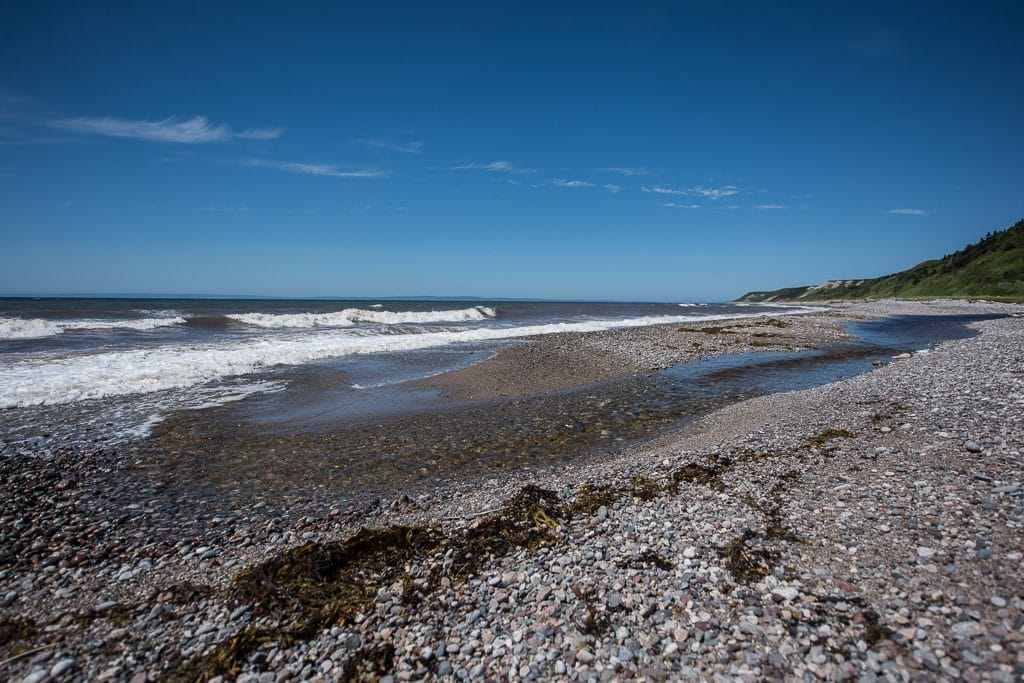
654,151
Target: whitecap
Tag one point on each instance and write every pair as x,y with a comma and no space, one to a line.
35,328
351,316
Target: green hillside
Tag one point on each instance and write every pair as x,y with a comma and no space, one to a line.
992,268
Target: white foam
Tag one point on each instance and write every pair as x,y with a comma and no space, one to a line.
17,328
46,380
35,328
351,316
132,324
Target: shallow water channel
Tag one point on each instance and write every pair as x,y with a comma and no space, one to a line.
247,452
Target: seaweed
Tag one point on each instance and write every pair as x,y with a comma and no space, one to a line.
317,584
526,522
824,437
118,614
644,488
653,558
307,588
303,590
590,499
595,622
187,592
894,410
874,632
699,474
747,563
16,629
375,661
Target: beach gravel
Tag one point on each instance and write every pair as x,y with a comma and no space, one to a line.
864,530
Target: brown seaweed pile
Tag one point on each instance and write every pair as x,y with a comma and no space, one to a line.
304,590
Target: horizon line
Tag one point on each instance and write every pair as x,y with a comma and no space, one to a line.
417,297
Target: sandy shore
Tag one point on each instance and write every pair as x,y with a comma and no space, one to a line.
867,529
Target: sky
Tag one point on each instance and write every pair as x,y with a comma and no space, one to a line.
676,151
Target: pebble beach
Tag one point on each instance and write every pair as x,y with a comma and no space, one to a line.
868,529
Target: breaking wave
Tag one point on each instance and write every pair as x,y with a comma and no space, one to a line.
36,328
351,316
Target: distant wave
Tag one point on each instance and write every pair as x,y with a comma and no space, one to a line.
64,379
36,328
351,316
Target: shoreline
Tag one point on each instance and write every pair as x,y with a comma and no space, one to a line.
900,449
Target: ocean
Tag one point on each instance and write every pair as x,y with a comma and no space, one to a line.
106,371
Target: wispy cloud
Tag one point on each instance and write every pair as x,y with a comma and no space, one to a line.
562,182
764,207
409,147
499,166
660,189
260,133
196,130
314,169
673,205
613,188
907,212
713,193
624,170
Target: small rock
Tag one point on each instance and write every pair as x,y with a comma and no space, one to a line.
972,447
785,593
967,629
62,667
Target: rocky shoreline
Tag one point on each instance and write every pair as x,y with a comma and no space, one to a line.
868,529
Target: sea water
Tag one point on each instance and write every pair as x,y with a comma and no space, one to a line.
107,370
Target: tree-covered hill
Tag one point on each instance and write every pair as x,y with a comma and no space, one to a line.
991,268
